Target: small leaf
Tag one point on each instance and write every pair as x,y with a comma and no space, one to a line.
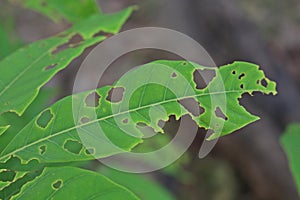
57,10
291,144
23,73
73,183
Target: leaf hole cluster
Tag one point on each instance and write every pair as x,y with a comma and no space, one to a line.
74,41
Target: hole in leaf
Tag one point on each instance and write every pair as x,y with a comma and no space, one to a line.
92,100
192,106
57,185
161,123
73,42
84,120
242,86
141,124
125,121
115,95
184,63
73,146
51,66
174,75
219,113
203,77
242,75
264,83
44,119
146,130
6,176
42,149
233,72
258,82
209,133
102,33
44,4
90,151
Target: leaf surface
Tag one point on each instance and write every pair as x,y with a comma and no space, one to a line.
73,183
143,186
57,10
151,93
24,72
291,144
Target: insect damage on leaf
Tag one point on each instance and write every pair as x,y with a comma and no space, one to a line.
36,64
62,180
149,95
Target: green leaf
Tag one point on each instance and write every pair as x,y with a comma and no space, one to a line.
143,186
73,183
57,10
112,127
23,73
13,187
9,40
290,142
18,122
3,129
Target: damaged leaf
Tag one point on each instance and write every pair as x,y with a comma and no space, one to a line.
73,183
24,72
150,94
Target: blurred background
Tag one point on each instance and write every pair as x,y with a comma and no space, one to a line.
248,164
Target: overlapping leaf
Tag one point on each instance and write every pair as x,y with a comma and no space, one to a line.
290,142
140,184
73,183
109,127
57,10
3,129
14,181
24,72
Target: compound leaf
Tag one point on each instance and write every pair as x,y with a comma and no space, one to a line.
23,73
150,94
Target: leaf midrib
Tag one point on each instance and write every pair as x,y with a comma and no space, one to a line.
120,113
